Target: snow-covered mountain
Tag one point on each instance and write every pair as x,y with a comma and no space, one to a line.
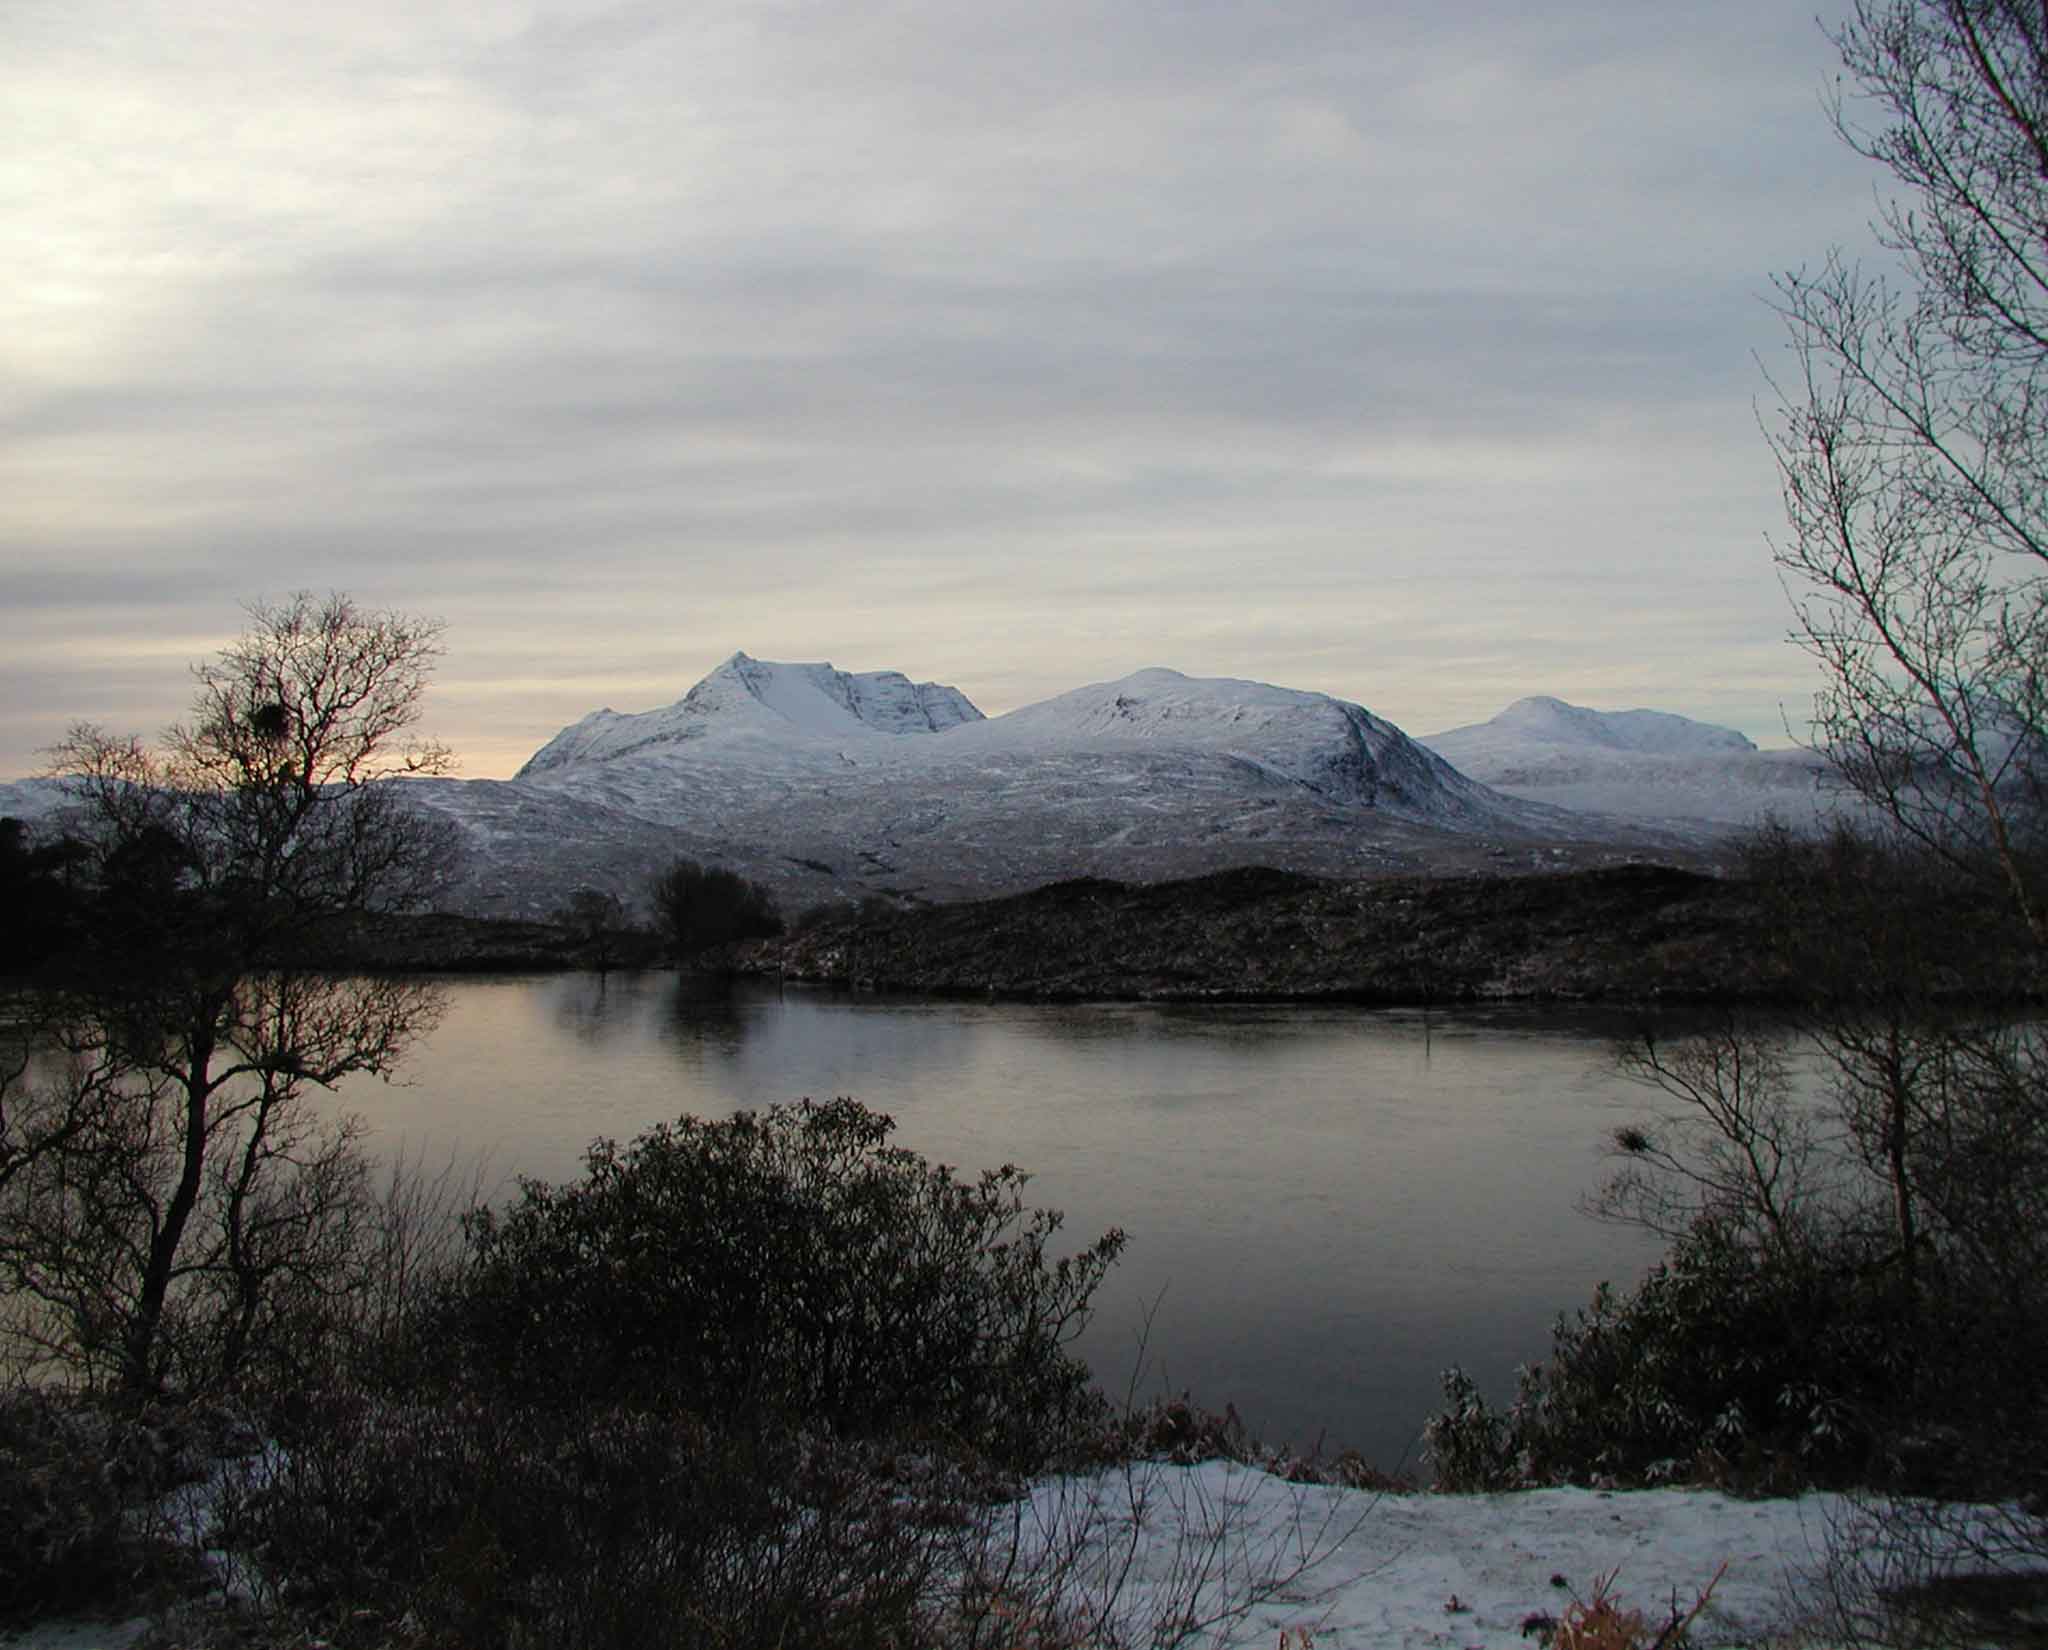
744,697
1543,721
829,785
1684,776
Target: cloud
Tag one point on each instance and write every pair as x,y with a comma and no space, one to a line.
624,335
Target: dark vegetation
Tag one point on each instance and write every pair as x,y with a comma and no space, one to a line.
792,1261
1857,1286
1629,933
763,1381
166,1193
698,908
755,1382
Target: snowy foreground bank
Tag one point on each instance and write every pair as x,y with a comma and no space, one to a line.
1356,1569
1191,1545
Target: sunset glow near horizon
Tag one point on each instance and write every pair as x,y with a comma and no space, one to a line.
1408,353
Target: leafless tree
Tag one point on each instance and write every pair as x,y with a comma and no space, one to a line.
1912,439
1734,1145
173,1191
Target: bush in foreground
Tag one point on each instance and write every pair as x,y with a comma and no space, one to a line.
586,1528
791,1262
1722,1365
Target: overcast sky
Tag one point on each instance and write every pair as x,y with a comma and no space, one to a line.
1409,352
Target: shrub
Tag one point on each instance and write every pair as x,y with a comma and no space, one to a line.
489,1523
700,906
1721,1363
76,1483
792,1261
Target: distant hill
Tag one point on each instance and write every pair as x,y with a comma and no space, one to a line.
1685,777
831,785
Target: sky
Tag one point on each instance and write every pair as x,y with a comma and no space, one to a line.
1409,352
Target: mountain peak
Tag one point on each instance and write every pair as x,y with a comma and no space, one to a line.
1643,732
744,694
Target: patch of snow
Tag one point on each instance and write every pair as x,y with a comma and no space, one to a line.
1254,1557
1432,1572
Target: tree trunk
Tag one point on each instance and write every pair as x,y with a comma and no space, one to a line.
143,1374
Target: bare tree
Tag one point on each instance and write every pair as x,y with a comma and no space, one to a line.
1734,1146
1912,442
173,1188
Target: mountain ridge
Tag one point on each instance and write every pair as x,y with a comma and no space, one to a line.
817,699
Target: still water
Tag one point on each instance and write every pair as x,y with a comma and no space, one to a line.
1326,1206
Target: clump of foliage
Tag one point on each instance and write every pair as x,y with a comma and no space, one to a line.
40,890
586,1526
74,1482
787,1261
701,906
1721,1364
604,934
1603,1622
1856,1288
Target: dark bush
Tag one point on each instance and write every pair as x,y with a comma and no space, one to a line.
791,1262
701,906
463,1522
1723,1363
76,1486
38,889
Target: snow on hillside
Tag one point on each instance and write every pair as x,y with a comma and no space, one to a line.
776,702
830,785
1646,765
1652,732
31,800
1331,747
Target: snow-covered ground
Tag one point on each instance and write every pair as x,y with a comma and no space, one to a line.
1356,1569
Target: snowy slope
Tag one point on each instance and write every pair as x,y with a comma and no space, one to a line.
1642,765
830,785
1330,747
1346,1570
756,698
31,800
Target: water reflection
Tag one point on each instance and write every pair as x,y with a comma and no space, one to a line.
1328,1205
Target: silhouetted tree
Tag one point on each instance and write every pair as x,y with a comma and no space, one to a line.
39,890
172,1193
700,906
598,920
1912,442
